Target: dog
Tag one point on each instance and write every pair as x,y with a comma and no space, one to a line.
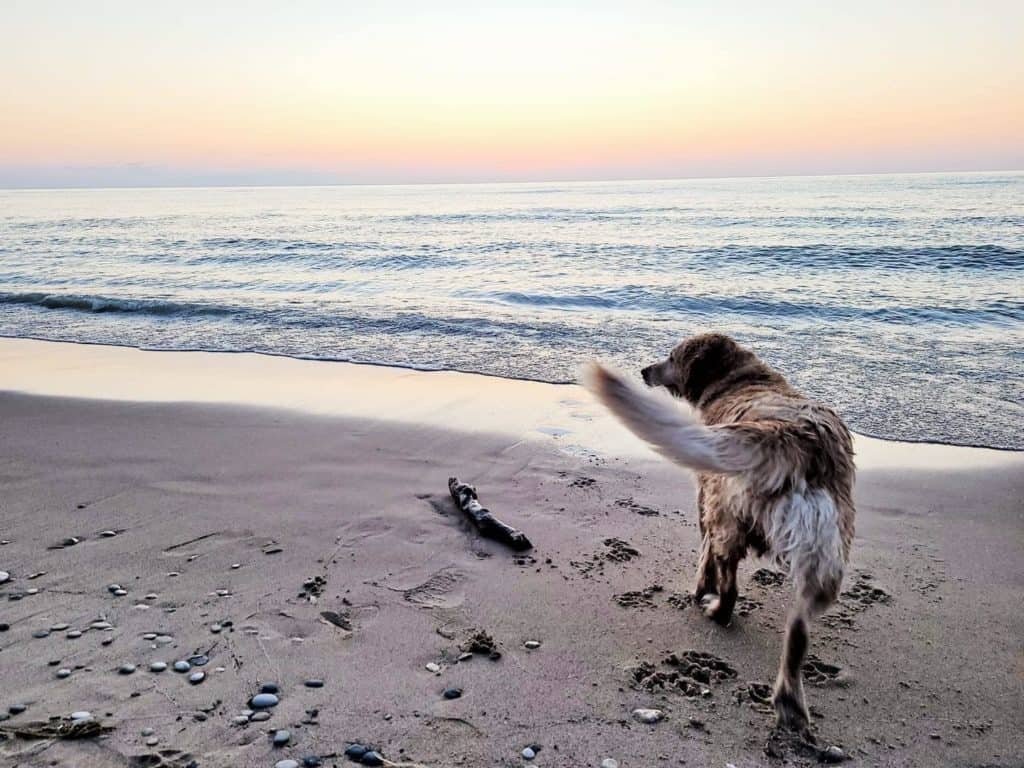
775,475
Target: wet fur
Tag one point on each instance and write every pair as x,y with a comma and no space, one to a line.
775,476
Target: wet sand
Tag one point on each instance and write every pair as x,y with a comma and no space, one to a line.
325,484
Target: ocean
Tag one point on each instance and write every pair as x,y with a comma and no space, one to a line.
899,300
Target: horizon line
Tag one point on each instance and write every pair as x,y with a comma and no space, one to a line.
505,182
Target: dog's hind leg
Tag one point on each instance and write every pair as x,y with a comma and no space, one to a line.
788,699
707,573
719,608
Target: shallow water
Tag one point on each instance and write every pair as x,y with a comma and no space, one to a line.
898,299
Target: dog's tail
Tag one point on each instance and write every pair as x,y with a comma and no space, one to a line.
672,429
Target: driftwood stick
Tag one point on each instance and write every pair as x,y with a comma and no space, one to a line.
488,525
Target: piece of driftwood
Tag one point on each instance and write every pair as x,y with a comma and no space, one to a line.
488,525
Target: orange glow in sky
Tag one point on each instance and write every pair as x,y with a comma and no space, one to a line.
332,92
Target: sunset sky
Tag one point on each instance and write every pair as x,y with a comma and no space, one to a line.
151,93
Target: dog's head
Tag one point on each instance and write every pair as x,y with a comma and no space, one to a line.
696,364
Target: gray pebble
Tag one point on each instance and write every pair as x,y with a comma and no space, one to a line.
452,693
59,627
263,701
289,763
17,709
41,633
158,666
434,667
315,683
282,737
147,731
197,677
103,625
126,669
108,534
120,592
4,576
648,716
609,762
65,672
373,758
833,755
239,719
215,628
259,717
182,666
164,639
269,688
532,644
528,753
81,714
149,636
152,741
199,660
74,634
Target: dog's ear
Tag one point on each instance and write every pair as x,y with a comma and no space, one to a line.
703,360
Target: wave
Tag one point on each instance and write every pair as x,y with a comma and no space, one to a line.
104,304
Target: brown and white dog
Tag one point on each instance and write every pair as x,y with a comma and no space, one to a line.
774,471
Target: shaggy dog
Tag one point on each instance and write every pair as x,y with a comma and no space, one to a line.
774,472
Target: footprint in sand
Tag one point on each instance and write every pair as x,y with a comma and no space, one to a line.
818,672
639,509
765,577
640,599
690,673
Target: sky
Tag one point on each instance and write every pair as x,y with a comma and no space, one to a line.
156,93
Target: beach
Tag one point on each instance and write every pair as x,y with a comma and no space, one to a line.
288,522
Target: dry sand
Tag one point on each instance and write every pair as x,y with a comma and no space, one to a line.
185,459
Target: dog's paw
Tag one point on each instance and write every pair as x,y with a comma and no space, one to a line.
712,607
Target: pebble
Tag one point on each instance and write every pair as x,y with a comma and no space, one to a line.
126,669
149,636
281,737
164,639
355,751
4,576
215,628
158,666
312,761
833,755
259,717
152,741
528,753
465,657
4,626
152,596
70,541
239,719
609,762
64,672
315,683
108,534
434,667
648,716
59,627
532,644
17,709
147,731
269,688
113,588
452,693
120,592
197,677
81,715
223,593
173,574
372,758
182,666
236,565
32,591
289,763
41,633
199,660
104,625
74,634
263,701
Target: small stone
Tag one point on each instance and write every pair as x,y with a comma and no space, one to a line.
356,751
182,666
223,593
126,669
4,576
434,667
465,656
108,534
197,677
240,719
59,627
147,731
120,592
235,566
41,633
4,626
164,639
259,717
74,634
269,688
263,701
149,636
372,758
70,541
199,717
64,672
281,737
609,762
101,625
152,741
935,736
315,683
81,715
112,588
152,596
452,693
199,660
17,709
289,763
158,666
173,574
248,712
648,716
215,628
528,753
311,761
532,644
833,755
32,591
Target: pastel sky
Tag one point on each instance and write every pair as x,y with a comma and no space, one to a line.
309,91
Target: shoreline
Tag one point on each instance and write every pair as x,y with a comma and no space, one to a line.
561,412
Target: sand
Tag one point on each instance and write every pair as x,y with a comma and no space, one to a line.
199,462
